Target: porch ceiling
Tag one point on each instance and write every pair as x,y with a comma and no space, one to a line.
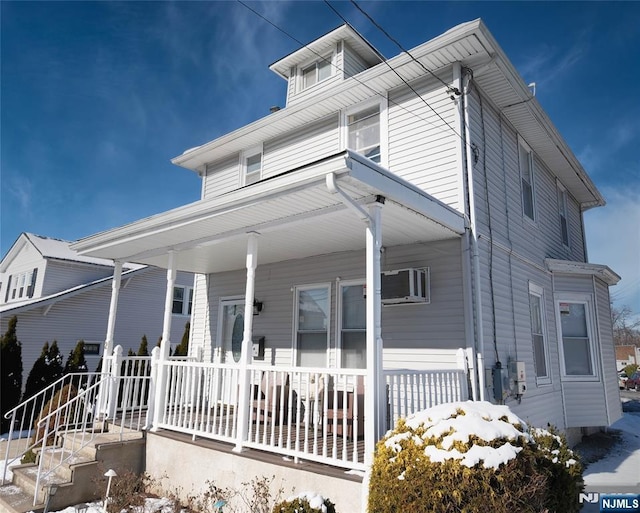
294,213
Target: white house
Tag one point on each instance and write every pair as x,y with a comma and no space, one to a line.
60,295
404,232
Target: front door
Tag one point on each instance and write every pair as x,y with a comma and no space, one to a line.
232,330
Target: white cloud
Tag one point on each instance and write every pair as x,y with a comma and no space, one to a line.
613,238
20,188
548,65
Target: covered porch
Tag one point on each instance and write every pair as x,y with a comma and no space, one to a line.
338,204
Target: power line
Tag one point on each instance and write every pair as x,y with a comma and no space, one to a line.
403,49
403,80
382,95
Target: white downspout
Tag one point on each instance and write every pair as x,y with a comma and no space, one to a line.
373,382
246,350
472,236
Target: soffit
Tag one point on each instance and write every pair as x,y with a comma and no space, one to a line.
295,215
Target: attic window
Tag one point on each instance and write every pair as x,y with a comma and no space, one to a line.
317,72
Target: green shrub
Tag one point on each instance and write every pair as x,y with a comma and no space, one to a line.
61,397
305,502
472,457
630,369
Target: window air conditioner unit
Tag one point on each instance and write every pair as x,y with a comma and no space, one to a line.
406,286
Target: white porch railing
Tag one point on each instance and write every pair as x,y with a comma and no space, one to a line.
314,414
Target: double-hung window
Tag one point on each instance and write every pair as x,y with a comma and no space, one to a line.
317,72
562,211
538,330
251,165
526,178
182,300
353,323
575,331
312,318
363,132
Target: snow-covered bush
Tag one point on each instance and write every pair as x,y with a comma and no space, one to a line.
472,457
305,502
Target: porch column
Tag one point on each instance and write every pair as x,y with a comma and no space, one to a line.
246,351
165,344
375,403
113,307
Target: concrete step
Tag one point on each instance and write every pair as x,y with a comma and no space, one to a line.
15,500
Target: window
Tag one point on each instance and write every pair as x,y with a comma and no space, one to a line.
562,210
182,300
317,72
526,177
540,355
312,325
577,343
353,324
92,348
363,130
251,166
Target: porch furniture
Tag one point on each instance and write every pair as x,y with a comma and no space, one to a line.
346,412
271,398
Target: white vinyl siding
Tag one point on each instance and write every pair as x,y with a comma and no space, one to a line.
353,63
59,275
295,149
422,149
410,333
533,241
221,177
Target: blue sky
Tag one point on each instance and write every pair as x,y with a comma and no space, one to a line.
97,97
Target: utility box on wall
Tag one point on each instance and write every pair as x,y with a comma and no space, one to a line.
518,378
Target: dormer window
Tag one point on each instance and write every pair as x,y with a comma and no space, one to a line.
317,72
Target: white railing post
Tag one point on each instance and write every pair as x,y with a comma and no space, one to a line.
114,382
245,356
151,421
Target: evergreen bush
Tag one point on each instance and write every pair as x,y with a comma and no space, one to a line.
472,457
64,395
306,502
10,372
182,349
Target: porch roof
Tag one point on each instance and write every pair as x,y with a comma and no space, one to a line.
295,214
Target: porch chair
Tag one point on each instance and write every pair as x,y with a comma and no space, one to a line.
271,398
336,409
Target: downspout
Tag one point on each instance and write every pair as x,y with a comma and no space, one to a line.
375,421
472,240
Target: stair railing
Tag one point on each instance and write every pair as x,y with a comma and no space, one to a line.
22,418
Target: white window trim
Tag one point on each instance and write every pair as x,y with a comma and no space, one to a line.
538,291
185,300
587,300
296,295
217,348
244,155
338,327
330,56
522,143
562,191
382,104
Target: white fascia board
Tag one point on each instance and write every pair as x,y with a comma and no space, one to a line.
403,192
605,273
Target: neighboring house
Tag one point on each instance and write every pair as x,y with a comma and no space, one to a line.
60,295
398,245
627,355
